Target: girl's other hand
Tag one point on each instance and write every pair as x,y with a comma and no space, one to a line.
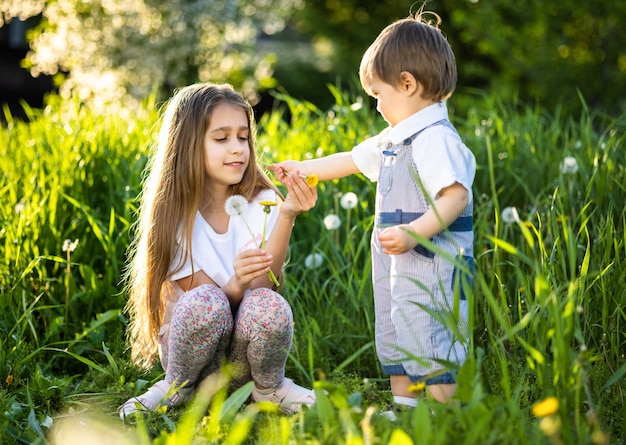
300,197
251,264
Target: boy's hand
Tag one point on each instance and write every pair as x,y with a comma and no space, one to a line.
397,239
282,169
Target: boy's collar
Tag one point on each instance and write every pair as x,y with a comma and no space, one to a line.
416,122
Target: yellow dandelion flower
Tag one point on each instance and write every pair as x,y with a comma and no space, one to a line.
9,379
417,387
312,180
399,437
267,207
599,437
546,407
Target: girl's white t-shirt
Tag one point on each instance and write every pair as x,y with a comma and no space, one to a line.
214,253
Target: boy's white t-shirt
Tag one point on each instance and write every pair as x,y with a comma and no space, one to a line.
439,153
214,253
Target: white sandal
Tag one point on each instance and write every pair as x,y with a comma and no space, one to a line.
154,398
290,397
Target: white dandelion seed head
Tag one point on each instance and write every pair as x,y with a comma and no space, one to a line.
509,215
349,200
569,166
19,207
313,260
357,105
236,205
69,245
332,222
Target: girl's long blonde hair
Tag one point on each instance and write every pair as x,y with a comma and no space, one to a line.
169,201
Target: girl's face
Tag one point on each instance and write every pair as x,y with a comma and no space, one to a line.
226,148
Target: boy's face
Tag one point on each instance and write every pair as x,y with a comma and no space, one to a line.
393,103
397,102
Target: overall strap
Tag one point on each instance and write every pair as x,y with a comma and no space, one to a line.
389,149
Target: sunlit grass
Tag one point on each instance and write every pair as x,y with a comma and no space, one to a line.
549,299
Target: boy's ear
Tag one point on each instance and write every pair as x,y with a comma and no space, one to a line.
408,83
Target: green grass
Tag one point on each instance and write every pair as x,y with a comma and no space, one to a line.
548,317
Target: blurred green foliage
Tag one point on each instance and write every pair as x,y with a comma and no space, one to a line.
543,51
540,52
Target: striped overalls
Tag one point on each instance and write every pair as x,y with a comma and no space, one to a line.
418,298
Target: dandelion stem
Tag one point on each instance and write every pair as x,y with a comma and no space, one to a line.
270,274
67,291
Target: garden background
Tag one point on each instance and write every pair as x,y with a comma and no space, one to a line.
539,102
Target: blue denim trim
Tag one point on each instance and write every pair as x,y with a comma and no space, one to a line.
393,369
461,224
424,251
440,379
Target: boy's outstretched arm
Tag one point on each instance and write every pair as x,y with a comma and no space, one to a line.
333,166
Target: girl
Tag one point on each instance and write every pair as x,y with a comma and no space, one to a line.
198,285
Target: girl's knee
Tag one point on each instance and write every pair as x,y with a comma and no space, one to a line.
206,298
267,301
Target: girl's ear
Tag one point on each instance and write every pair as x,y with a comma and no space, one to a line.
408,83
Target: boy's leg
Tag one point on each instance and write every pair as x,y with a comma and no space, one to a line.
424,336
441,392
402,397
400,385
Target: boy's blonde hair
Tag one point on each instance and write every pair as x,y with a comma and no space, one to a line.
170,199
415,45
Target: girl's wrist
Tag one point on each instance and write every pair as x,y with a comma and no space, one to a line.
233,290
287,215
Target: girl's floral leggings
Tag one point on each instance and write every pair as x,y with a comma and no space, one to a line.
203,334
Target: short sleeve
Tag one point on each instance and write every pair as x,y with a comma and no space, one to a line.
443,159
366,157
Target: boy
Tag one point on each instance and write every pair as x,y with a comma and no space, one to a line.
424,177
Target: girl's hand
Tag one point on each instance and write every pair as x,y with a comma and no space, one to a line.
300,197
282,169
397,239
251,264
